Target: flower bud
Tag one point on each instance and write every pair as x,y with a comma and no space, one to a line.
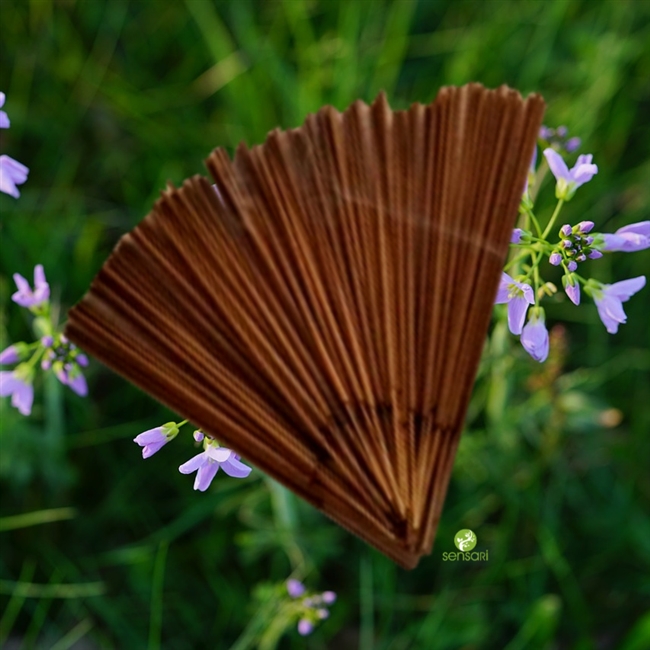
585,226
555,258
566,230
572,266
594,255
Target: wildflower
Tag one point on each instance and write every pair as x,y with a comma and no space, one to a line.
518,295
568,181
594,255
566,230
25,297
12,173
4,119
572,144
628,239
572,266
555,258
328,597
70,375
585,226
153,440
20,388
515,237
295,588
572,288
534,336
13,354
609,300
305,627
545,133
207,464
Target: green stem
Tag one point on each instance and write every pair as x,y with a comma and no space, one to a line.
558,207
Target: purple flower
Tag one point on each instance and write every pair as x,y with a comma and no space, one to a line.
12,173
518,295
585,226
610,298
515,237
21,391
562,131
71,376
207,464
4,120
153,440
629,239
568,181
566,230
47,341
534,336
594,255
322,613
25,297
198,435
572,266
555,258
572,290
295,588
305,627
545,133
81,359
572,144
10,355
328,597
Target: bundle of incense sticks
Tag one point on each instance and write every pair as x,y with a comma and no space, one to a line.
321,309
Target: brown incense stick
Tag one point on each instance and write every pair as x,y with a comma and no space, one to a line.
322,308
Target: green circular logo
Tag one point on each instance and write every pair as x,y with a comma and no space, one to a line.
465,540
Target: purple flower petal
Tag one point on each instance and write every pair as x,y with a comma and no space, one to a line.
9,355
193,464
328,597
625,289
78,385
218,454
611,313
572,144
640,228
517,309
205,475
295,588
25,297
515,237
233,467
573,292
557,165
534,339
555,258
305,627
12,173
503,290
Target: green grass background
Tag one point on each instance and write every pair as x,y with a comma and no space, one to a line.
109,100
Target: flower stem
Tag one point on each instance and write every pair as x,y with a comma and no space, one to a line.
558,207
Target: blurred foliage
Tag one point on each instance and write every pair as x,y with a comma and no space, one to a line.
108,100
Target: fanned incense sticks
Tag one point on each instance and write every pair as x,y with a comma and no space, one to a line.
322,309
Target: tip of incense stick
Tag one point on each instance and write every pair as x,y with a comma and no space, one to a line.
322,311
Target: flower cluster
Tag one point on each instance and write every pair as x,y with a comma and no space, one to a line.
559,139
523,286
309,608
52,348
12,172
206,464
